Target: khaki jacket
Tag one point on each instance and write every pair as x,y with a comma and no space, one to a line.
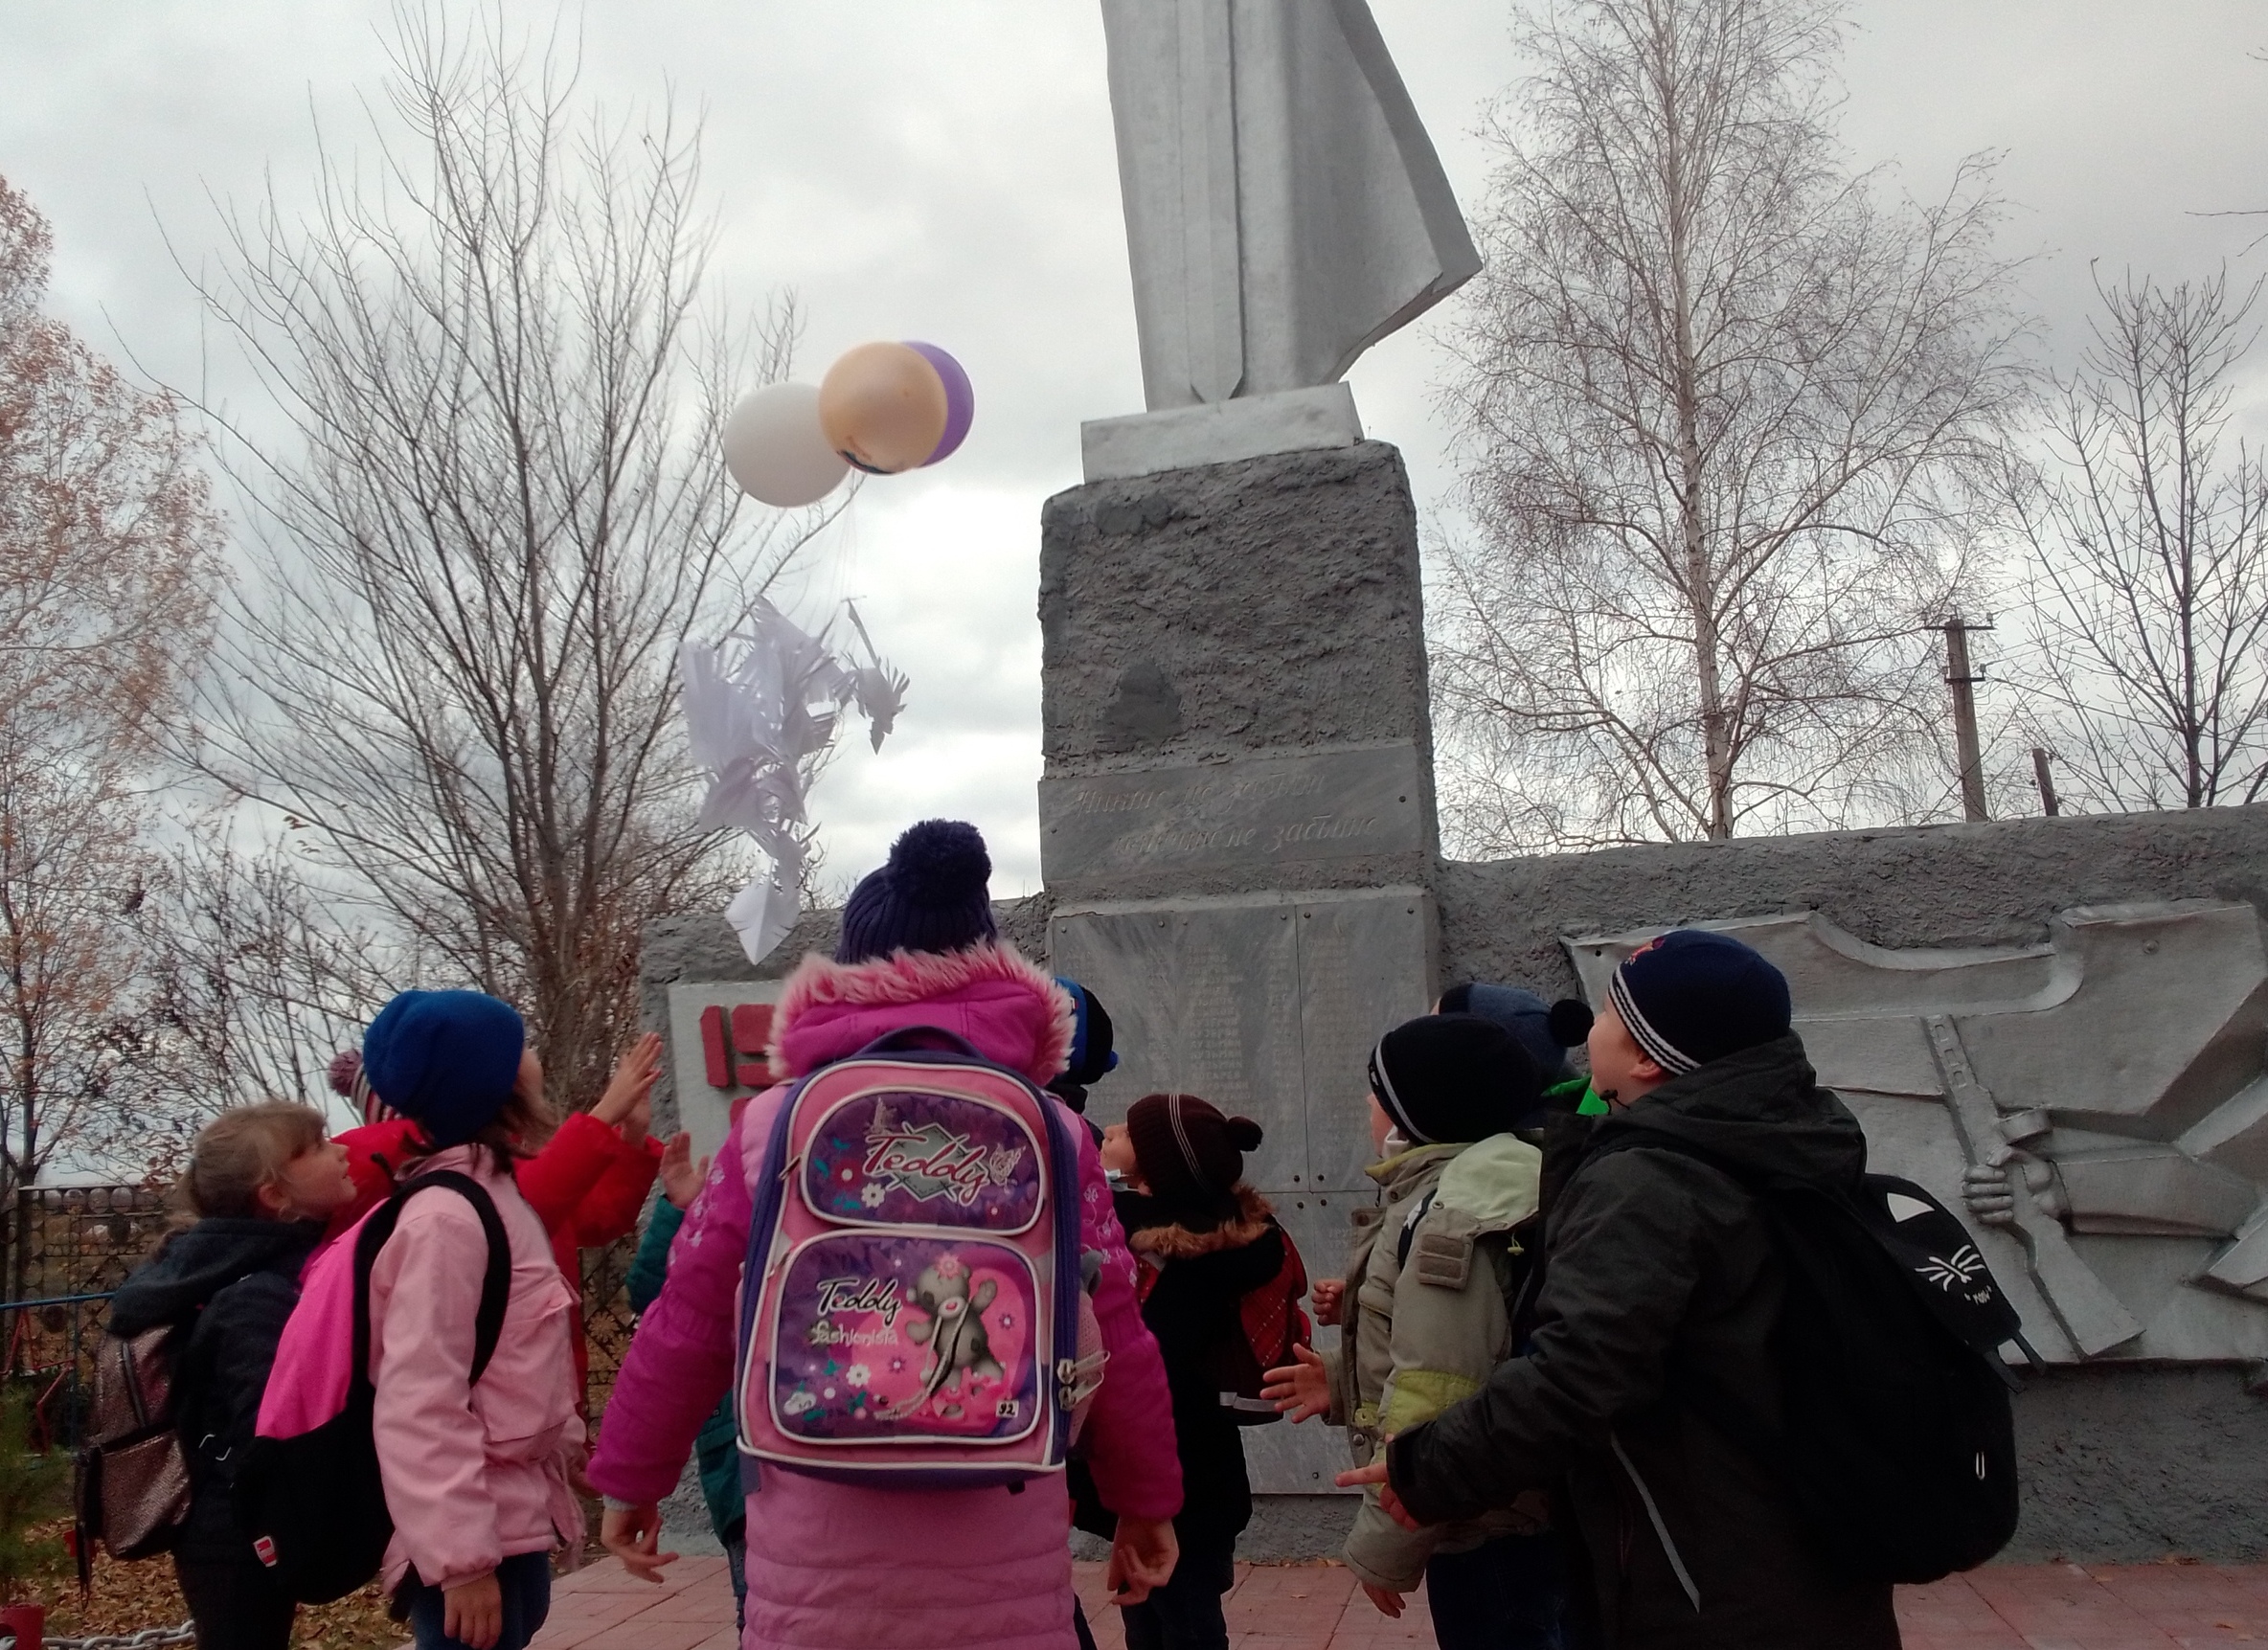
1422,1333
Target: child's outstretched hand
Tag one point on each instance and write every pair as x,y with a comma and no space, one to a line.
627,1104
633,1534
681,1175
1299,1389
1329,1293
1141,1557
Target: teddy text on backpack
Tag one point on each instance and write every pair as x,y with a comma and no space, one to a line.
913,1306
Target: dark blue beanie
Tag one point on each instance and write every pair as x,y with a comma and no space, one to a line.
931,896
445,1060
1693,996
1452,1077
1547,1031
1092,1054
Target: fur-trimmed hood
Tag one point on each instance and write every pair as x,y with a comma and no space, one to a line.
1011,1010
1174,1241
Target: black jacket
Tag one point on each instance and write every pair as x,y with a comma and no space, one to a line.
227,1286
1656,1263
1207,1266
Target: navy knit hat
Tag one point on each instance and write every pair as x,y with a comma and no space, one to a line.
931,896
445,1060
1547,1031
1092,1056
1693,996
1446,1077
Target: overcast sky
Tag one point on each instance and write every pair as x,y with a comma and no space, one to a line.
943,169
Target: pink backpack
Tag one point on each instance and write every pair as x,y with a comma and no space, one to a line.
914,1313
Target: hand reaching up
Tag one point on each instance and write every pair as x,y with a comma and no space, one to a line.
1302,1388
681,1175
627,1104
1330,1295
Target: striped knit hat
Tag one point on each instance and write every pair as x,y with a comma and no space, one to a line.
1692,996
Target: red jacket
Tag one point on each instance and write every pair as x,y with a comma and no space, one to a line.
587,1185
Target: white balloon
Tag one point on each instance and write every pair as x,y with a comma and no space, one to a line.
774,449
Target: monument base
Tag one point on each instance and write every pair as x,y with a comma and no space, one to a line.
1222,433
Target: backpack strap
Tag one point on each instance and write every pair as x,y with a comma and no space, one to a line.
488,1325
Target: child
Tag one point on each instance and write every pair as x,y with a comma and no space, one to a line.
587,1185
260,1181
476,1475
1204,1241
1426,1319
897,1567
717,1449
1660,1272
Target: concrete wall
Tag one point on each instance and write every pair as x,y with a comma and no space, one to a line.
1994,884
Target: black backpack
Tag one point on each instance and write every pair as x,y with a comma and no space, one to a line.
1896,1442
314,1504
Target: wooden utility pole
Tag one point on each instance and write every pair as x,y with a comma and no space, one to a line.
2047,783
1962,681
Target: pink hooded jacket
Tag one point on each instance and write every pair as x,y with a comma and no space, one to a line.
473,1474
836,1567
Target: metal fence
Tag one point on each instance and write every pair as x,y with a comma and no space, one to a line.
64,1250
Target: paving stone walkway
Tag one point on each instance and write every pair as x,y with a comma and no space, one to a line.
1318,1607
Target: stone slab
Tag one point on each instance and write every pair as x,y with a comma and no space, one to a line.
1267,1006
1225,431
1259,813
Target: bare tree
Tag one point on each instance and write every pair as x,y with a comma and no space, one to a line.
257,971
498,512
108,570
1727,415
2148,568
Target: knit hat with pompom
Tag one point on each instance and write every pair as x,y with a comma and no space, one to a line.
931,896
1187,1152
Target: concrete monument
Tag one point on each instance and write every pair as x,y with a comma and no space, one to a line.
1284,211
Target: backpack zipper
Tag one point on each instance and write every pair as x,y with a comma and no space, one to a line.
1653,1516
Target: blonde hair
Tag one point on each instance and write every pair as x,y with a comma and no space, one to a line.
239,1152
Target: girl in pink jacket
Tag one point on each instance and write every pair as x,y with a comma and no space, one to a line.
833,1565
476,1474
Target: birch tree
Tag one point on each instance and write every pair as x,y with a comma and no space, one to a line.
1731,420
2148,568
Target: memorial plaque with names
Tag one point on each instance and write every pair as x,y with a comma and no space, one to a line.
1266,1005
1252,812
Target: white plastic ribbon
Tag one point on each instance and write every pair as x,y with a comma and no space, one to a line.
762,707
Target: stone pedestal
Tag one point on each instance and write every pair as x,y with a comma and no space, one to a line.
1236,817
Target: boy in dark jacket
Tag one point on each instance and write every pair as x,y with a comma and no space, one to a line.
1204,1240
1658,1268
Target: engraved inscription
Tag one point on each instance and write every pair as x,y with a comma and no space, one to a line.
1253,811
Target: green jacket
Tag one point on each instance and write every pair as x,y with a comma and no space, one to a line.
1421,1333
716,1450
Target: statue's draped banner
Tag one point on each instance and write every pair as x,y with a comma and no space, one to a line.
1285,207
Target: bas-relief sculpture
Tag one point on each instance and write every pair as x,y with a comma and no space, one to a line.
2096,1103
1285,211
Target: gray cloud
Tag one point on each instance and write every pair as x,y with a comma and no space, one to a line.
919,170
